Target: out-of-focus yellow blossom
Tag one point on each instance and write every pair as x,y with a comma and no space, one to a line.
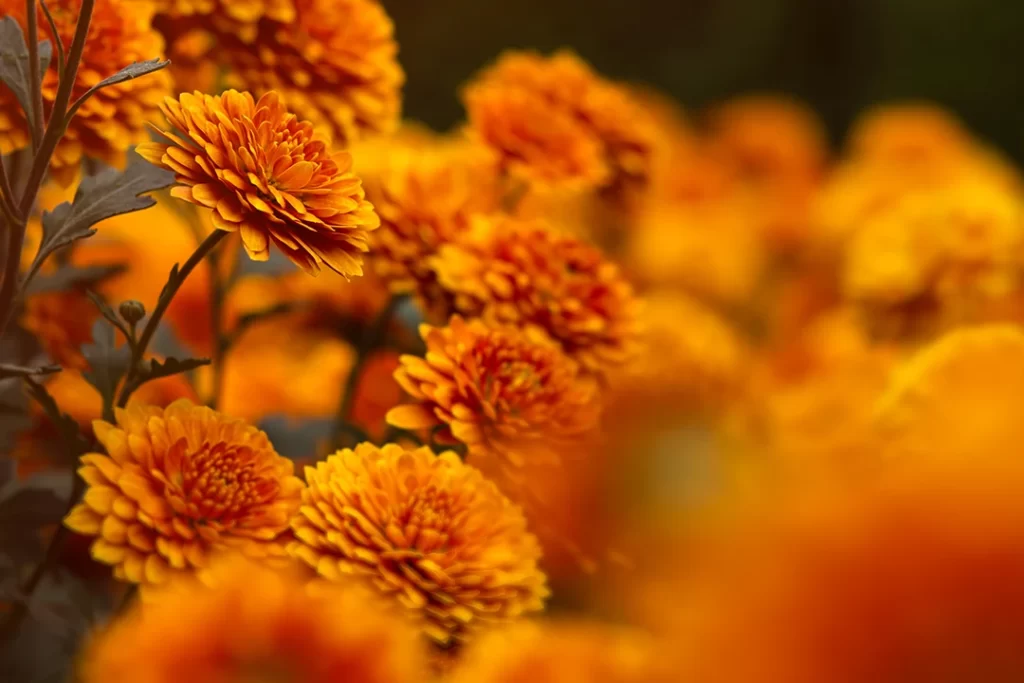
113,119
810,403
939,259
958,399
254,624
177,485
333,61
427,532
560,652
426,194
278,367
917,579
554,120
691,359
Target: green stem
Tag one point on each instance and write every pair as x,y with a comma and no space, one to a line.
171,288
35,113
373,337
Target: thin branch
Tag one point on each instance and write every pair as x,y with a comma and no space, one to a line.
173,284
7,200
107,83
35,76
58,43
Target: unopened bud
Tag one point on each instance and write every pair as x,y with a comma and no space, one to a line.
132,311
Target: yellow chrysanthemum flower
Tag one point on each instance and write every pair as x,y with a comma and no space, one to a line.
425,531
114,119
938,259
504,393
253,623
178,484
561,652
426,195
554,120
957,399
524,273
265,174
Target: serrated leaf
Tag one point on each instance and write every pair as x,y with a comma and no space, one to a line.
110,193
107,312
172,366
72,443
7,370
132,71
14,58
72,277
14,415
108,363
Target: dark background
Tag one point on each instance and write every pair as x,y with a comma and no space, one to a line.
838,55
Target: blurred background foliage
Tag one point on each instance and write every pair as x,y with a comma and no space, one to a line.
840,56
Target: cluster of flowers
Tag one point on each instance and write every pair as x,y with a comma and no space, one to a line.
737,408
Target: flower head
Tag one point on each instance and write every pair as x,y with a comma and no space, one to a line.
253,623
500,391
426,531
62,322
334,63
178,484
113,119
554,120
523,273
426,196
265,174
558,653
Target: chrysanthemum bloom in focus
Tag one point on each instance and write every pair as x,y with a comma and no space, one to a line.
958,399
265,174
935,260
918,580
426,197
523,273
425,531
252,623
335,64
560,652
178,484
112,120
502,392
556,121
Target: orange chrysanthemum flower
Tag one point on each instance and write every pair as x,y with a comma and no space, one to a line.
62,322
427,531
114,119
501,391
558,653
178,484
253,623
335,63
426,198
523,273
556,121
232,16
265,174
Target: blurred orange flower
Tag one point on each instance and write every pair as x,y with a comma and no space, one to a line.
177,485
253,624
523,273
112,120
506,395
62,322
919,578
426,531
561,652
554,120
265,174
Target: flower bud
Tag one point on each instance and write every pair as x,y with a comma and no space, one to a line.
132,311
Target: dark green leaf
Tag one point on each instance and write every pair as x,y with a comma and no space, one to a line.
132,71
7,370
107,312
154,369
72,442
107,363
71,277
31,508
14,415
14,66
110,193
